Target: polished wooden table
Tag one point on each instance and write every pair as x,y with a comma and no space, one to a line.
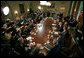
41,32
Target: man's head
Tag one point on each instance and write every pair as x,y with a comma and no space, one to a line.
65,28
60,23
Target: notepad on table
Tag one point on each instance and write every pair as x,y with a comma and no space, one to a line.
55,32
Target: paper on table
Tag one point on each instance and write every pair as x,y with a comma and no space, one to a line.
44,43
34,33
41,47
48,41
51,35
31,43
34,43
53,24
55,32
50,31
29,38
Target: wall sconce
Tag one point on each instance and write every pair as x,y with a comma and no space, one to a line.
39,7
16,12
27,9
42,8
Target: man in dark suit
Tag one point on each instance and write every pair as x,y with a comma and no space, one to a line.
48,14
63,36
61,16
60,27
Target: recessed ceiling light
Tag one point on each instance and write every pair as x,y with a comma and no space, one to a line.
16,12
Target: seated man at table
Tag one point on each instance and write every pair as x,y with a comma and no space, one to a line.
63,35
35,20
7,25
60,27
60,43
31,26
60,16
57,21
35,51
25,31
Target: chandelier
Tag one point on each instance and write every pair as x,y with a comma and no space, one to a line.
45,3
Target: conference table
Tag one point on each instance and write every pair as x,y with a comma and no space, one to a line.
42,34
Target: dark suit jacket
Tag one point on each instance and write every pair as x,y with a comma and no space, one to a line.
64,36
60,28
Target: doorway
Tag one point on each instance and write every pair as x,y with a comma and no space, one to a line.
21,7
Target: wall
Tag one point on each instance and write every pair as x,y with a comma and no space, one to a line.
57,6
14,5
4,17
65,4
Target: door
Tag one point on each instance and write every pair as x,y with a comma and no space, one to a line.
21,6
